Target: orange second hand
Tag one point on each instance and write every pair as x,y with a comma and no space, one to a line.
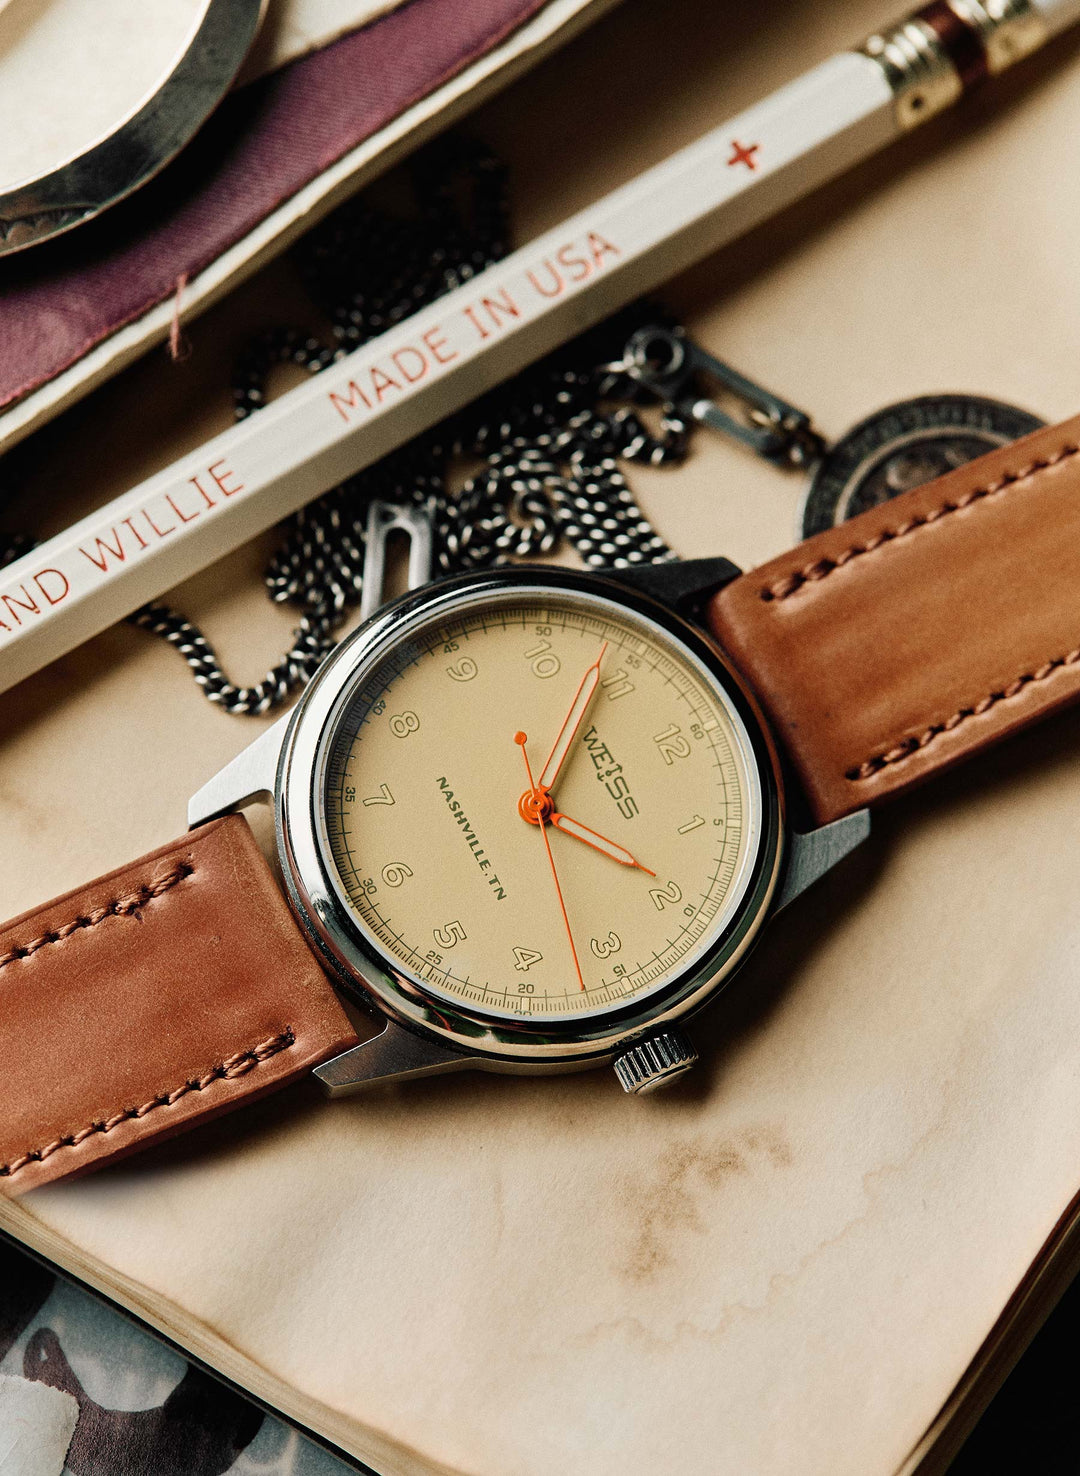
522,739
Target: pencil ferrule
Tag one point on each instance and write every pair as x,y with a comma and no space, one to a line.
947,48
922,76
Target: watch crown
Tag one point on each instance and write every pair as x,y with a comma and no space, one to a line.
654,1062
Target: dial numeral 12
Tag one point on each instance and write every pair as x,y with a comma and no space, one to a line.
672,744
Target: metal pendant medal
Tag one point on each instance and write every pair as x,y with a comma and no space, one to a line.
903,446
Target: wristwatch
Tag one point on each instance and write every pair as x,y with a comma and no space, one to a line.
535,819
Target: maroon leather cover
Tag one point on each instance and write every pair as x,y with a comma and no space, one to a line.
160,995
263,144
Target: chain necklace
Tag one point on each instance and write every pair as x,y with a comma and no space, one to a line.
546,450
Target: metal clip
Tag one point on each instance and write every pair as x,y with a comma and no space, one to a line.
669,364
385,518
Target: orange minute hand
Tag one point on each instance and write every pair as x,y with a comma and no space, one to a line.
598,842
571,723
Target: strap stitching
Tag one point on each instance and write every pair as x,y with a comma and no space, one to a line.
237,1065
907,746
813,573
120,907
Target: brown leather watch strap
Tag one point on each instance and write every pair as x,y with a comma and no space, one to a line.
894,645
162,994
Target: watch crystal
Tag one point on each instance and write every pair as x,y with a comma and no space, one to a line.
538,804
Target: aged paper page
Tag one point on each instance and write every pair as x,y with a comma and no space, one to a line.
785,1264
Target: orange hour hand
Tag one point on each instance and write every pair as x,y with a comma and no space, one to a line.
598,842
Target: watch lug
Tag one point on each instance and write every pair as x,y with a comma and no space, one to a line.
681,584
251,775
812,854
394,1055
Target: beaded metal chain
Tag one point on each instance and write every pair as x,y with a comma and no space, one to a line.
548,444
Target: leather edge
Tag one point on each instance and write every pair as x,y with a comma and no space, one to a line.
317,1030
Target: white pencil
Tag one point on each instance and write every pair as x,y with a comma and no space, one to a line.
152,537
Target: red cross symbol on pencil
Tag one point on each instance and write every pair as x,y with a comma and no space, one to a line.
743,155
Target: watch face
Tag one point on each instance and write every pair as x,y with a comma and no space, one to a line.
537,804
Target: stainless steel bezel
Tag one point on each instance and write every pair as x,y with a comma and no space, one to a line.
519,1044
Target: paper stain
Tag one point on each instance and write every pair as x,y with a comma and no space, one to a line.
689,1168
669,1203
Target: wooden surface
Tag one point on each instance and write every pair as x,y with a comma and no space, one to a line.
786,1264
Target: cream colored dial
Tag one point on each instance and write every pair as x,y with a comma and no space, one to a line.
565,886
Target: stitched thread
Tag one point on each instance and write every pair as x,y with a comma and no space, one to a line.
814,573
237,1065
121,907
907,746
